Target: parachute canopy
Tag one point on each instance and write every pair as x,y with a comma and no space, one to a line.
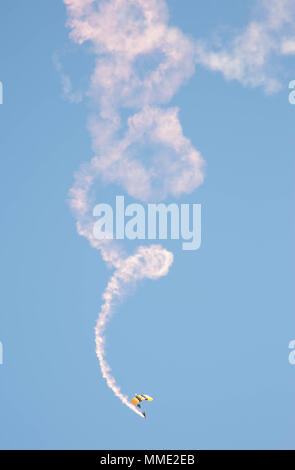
137,399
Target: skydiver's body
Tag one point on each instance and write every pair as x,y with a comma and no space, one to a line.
142,411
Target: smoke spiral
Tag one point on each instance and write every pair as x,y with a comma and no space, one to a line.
140,62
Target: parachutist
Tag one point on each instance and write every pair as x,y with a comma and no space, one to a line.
137,399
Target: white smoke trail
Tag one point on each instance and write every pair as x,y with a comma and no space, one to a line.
250,57
151,262
123,34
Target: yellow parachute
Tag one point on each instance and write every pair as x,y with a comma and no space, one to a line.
137,399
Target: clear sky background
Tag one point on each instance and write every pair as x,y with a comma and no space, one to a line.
209,341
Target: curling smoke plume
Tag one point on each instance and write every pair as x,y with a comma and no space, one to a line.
140,64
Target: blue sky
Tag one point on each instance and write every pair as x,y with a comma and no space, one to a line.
210,340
